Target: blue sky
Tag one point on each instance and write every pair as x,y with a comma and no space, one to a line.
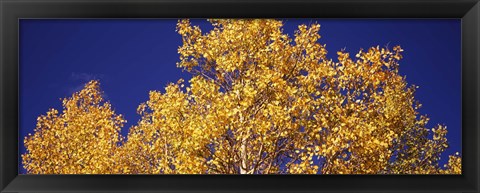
131,57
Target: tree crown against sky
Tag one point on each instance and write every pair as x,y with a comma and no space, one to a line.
259,102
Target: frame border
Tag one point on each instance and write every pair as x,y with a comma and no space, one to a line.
12,10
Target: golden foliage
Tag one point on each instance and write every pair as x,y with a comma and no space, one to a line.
80,140
260,102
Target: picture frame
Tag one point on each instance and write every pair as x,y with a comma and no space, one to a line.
13,10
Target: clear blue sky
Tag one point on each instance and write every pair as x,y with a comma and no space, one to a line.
133,57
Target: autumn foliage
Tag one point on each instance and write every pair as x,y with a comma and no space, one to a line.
259,102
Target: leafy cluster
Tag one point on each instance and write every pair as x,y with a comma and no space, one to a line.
259,102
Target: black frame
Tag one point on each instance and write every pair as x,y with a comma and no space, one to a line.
12,10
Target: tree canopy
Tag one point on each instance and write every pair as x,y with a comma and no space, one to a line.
259,102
